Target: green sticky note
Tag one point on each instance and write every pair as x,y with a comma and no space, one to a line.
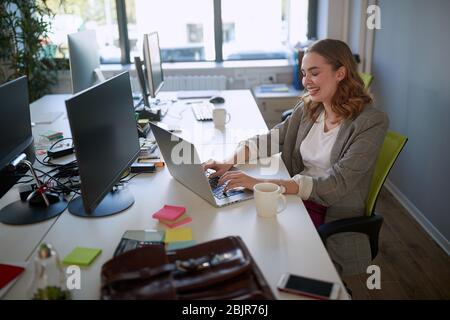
82,256
179,234
180,245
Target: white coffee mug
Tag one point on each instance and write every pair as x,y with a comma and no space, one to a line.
220,116
269,199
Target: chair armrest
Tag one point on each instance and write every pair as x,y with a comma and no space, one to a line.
286,114
369,226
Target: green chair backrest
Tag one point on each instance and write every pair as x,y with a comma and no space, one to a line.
391,148
367,79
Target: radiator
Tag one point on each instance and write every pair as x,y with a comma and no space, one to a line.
180,83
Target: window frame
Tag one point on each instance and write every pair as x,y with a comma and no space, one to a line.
218,32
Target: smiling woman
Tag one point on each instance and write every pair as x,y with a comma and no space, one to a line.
330,77
329,145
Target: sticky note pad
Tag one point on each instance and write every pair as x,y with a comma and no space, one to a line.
53,135
82,256
180,234
177,222
143,121
169,212
180,245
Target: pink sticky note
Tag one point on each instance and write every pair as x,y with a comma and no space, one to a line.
169,212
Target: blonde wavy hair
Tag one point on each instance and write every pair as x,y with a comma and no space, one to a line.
350,96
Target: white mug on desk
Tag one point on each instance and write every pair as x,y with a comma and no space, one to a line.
220,116
268,197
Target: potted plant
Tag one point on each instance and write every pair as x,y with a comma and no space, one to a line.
24,45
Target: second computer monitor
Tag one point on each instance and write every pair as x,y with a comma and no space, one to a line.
84,60
103,127
153,64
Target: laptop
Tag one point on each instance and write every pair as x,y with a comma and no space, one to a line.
187,170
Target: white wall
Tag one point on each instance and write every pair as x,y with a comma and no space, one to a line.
332,19
411,71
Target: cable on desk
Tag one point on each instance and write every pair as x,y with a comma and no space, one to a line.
128,180
62,187
141,101
58,141
180,114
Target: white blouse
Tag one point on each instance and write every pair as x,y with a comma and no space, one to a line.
315,151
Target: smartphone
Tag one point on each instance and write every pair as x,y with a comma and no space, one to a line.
313,288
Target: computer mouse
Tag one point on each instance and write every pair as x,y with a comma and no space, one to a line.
217,99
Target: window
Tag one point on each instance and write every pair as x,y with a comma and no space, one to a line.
228,32
262,29
194,32
185,28
77,15
259,29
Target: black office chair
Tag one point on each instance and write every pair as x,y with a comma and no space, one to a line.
286,114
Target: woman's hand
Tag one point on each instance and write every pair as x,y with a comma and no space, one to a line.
237,179
219,167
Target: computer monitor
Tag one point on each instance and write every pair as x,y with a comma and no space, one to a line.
16,147
84,60
153,64
103,127
142,82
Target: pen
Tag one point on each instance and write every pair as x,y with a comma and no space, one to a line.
153,147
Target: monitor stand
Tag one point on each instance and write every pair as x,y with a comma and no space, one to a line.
114,202
23,212
39,205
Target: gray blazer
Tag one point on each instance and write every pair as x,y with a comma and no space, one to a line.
345,190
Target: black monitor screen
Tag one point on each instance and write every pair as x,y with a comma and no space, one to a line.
152,60
15,128
104,134
84,59
15,123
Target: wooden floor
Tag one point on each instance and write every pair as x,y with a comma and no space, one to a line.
412,265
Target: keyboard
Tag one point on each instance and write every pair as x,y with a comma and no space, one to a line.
203,111
217,189
197,94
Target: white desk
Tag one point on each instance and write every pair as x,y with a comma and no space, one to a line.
288,243
18,242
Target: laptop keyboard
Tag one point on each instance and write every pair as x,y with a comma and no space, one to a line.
218,189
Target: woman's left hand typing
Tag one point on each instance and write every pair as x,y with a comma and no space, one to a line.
238,179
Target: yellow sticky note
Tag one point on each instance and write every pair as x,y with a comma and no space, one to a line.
178,234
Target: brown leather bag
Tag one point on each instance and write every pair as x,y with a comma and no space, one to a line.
217,269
